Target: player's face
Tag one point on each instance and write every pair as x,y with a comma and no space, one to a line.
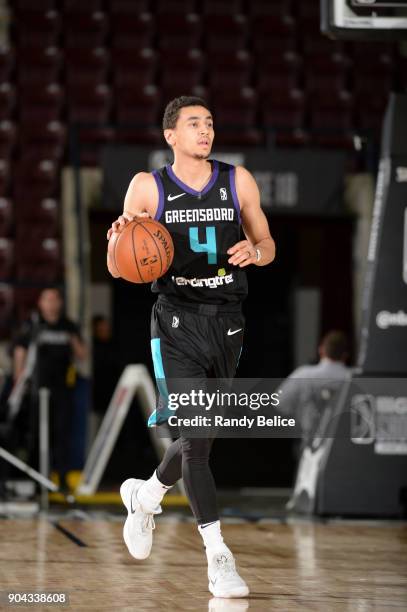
50,304
193,133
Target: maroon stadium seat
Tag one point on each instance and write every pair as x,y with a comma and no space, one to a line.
21,6
235,109
284,110
38,212
332,119
5,177
132,30
39,262
327,73
128,6
175,6
39,65
81,6
231,69
146,136
92,139
43,103
318,46
6,217
181,71
26,299
273,25
28,236
7,100
284,64
134,69
308,16
83,29
138,105
6,308
89,104
86,65
6,258
7,61
226,32
43,140
38,28
8,134
36,179
264,46
184,60
222,7
267,7
178,31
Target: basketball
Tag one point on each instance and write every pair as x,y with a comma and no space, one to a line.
142,252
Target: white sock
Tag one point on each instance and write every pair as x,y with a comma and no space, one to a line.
212,538
151,493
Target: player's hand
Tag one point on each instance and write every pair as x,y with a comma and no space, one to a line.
121,222
242,254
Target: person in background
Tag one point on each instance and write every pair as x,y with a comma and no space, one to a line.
299,392
106,366
57,344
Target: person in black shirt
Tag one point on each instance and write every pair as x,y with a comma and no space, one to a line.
57,342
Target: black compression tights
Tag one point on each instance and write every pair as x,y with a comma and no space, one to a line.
189,458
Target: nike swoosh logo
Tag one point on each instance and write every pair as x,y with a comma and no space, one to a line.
230,332
131,504
213,581
170,198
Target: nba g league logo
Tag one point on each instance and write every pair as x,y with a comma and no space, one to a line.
223,193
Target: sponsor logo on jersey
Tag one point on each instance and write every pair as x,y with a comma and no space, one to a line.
211,283
223,193
193,215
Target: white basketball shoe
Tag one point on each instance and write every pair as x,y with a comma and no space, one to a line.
139,525
224,581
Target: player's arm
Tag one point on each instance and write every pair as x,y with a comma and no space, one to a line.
255,226
141,200
79,347
19,359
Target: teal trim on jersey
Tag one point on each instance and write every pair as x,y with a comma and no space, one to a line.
159,416
238,359
204,247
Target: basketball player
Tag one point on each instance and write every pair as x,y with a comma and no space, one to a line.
197,322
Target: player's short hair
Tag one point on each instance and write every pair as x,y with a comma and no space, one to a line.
335,345
173,108
56,288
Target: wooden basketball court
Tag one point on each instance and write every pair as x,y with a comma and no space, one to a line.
298,565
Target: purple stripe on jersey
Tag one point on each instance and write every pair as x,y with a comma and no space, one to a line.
232,179
160,195
188,189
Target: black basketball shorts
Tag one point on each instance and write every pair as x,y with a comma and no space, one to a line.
193,341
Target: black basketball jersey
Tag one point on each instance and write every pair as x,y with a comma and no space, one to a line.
203,225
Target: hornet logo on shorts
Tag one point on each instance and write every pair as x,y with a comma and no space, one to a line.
175,321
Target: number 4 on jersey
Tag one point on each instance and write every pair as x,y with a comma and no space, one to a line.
204,247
